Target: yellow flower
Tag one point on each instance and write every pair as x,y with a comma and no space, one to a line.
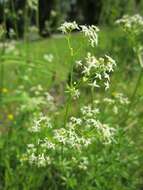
10,117
4,90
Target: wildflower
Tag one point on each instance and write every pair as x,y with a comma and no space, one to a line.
32,159
91,33
49,97
109,101
97,70
106,85
68,27
79,63
43,160
88,111
30,145
107,133
4,90
131,24
36,127
121,98
94,84
83,164
45,143
49,57
10,117
131,20
73,91
76,121
60,135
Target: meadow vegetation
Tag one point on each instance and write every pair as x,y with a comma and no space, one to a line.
71,115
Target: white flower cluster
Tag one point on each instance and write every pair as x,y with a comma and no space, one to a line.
78,134
68,27
73,91
42,121
44,97
37,90
90,121
83,164
121,98
91,32
48,57
89,112
97,70
70,138
116,102
131,23
34,158
37,154
46,144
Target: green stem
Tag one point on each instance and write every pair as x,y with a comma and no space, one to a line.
15,23
71,79
67,110
135,89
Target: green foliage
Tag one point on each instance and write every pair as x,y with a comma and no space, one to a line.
112,10
59,133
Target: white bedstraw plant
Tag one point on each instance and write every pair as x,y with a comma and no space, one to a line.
133,24
70,141
75,138
91,32
133,27
97,70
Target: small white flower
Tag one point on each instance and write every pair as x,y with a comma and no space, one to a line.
106,85
92,33
131,24
109,100
68,27
49,57
83,165
94,84
79,63
76,121
73,91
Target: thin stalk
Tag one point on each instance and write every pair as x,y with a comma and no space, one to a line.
135,89
92,95
15,23
71,79
71,54
67,110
